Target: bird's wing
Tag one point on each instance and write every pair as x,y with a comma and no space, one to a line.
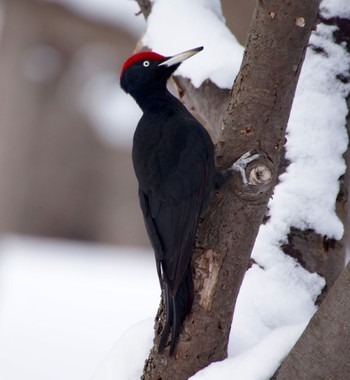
171,211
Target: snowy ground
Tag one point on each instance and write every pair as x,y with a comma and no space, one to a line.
64,304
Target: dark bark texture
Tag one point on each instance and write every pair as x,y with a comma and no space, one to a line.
255,119
313,357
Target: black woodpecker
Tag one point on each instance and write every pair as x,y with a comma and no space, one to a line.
173,158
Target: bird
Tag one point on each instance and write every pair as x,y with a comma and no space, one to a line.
174,162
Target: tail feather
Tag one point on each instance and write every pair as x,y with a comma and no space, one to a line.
177,307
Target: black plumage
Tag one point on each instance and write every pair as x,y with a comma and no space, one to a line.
173,158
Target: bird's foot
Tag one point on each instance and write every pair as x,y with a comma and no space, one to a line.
241,164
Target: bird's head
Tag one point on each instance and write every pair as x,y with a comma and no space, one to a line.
145,72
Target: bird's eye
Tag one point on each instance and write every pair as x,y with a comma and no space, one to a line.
146,63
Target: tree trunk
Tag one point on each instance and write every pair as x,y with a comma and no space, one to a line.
256,118
323,350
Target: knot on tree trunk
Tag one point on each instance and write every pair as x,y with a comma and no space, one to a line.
260,176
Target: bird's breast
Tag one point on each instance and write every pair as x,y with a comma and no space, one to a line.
155,155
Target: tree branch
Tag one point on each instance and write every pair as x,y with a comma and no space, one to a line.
145,7
323,350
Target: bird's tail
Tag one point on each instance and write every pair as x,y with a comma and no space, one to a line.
177,307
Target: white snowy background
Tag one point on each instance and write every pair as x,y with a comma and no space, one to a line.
72,311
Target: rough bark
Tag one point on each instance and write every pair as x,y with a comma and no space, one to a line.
313,357
317,253
256,118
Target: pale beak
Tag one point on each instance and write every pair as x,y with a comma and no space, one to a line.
178,58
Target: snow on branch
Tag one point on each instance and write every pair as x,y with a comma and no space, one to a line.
178,25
